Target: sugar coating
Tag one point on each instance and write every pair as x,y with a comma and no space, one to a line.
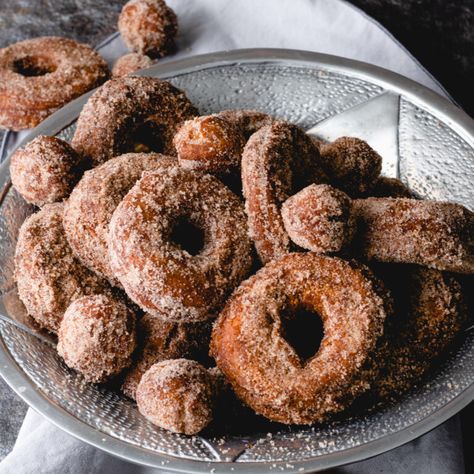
429,313
45,170
148,27
265,371
439,235
177,395
246,120
130,63
319,218
112,115
90,206
351,164
160,339
74,68
48,275
97,337
278,161
209,143
161,277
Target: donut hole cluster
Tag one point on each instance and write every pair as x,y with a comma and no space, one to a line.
33,66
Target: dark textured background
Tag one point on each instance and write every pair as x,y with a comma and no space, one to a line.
440,33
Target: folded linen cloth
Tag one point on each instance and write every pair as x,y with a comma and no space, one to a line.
327,26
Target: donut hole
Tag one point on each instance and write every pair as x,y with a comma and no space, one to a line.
33,66
188,236
303,330
147,137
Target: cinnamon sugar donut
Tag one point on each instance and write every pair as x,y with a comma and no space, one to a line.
158,340
131,63
49,277
209,143
148,27
131,114
319,218
159,273
278,161
90,206
97,337
351,164
177,395
247,121
38,76
435,234
429,314
249,344
45,170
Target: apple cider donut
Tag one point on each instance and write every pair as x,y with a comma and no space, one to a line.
439,235
90,206
97,337
148,27
45,170
351,164
209,143
131,63
247,121
278,161
160,339
389,187
48,275
265,371
159,272
319,218
132,113
38,76
429,314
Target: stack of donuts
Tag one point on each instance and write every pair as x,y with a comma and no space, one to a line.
232,255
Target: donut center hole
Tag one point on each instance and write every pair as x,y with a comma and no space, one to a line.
188,236
303,330
32,66
147,137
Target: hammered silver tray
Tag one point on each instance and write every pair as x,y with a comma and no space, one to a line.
423,138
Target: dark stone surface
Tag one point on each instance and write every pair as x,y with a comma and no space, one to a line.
439,33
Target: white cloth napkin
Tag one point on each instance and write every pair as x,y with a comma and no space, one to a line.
327,26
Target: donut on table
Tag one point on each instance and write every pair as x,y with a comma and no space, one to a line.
250,348
97,337
148,27
319,218
209,143
435,234
158,340
38,76
45,170
130,63
177,395
162,274
48,275
129,114
278,160
90,206
429,313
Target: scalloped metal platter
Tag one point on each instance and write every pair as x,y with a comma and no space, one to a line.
423,138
